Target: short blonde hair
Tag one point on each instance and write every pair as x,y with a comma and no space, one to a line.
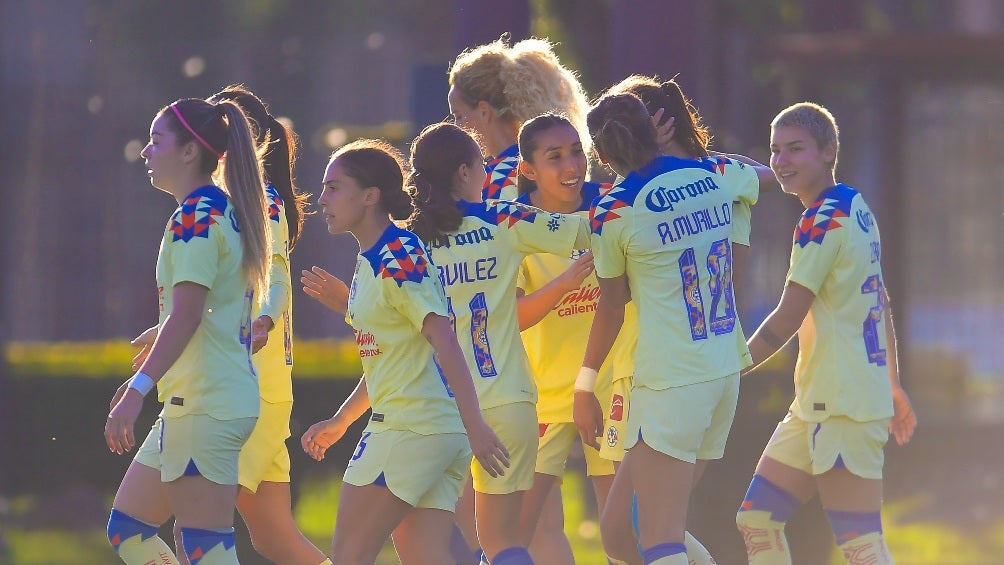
520,82
816,120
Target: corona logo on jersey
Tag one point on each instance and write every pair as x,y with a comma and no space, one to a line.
662,199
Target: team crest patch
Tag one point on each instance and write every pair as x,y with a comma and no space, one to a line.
274,203
501,175
197,214
612,437
403,259
823,217
606,208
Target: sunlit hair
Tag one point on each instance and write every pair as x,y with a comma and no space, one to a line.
622,132
528,143
519,82
688,129
436,156
376,163
281,146
225,128
816,120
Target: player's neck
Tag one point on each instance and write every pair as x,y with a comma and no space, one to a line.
187,185
811,195
368,231
500,139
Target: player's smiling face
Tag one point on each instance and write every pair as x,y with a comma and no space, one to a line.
800,165
341,200
558,166
162,155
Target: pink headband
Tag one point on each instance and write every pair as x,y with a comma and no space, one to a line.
192,131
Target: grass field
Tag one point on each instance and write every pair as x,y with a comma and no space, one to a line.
911,542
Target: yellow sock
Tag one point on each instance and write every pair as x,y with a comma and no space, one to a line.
869,548
764,537
326,562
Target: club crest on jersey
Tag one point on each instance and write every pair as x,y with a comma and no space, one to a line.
274,203
824,216
197,213
403,259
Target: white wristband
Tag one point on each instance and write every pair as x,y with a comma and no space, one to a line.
586,381
141,383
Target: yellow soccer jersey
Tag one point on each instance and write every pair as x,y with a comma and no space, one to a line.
841,368
500,184
478,267
556,344
393,289
274,362
213,375
667,227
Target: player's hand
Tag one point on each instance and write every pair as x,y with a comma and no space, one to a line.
488,448
588,417
145,341
119,424
904,420
118,394
326,288
663,133
576,272
259,332
322,435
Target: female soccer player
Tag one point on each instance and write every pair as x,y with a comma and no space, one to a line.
213,265
494,88
665,101
848,396
557,297
661,238
414,376
264,501
477,247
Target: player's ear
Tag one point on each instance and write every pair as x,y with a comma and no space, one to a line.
527,170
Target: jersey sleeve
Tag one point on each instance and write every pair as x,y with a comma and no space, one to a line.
609,258
196,258
742,178
280,289
536,231
741,223
415,300
812,260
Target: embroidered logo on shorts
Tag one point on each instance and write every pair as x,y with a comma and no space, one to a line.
377,417
177,401
819,406
612,438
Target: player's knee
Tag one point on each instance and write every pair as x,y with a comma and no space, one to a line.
122,527
618,542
